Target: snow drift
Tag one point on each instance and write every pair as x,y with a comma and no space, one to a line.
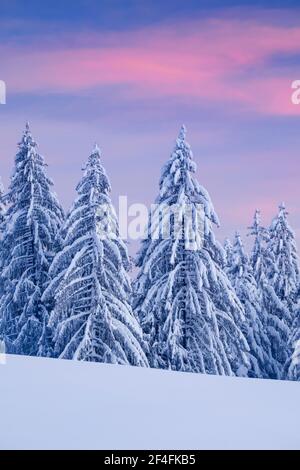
58,404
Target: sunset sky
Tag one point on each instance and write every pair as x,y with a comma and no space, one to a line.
127,74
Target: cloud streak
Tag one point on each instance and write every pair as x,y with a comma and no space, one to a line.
215,60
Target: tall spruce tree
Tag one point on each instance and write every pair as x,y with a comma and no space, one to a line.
274,260
188,309
240,272
2,220
284,279
261,259
228,249
2,207
292,367
92,319
33,219
285,271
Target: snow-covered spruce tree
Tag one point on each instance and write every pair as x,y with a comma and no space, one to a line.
292,368
274,255
33,219
285,272
2,207
2,220
281,290
284,279
261,259
228,249
92,319
186,305
240,273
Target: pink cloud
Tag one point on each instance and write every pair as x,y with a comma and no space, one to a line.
208,60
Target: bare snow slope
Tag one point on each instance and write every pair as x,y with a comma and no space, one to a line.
48,403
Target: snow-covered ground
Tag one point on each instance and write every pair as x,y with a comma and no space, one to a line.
48,403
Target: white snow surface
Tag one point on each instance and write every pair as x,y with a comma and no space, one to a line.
60,404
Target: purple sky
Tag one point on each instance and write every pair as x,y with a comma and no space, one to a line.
127,76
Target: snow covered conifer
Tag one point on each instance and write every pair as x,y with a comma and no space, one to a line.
228,248
293,364
2,207
240,273
92,319
284,279
33,219
2,220
274,261
285,272
261,259
188,309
